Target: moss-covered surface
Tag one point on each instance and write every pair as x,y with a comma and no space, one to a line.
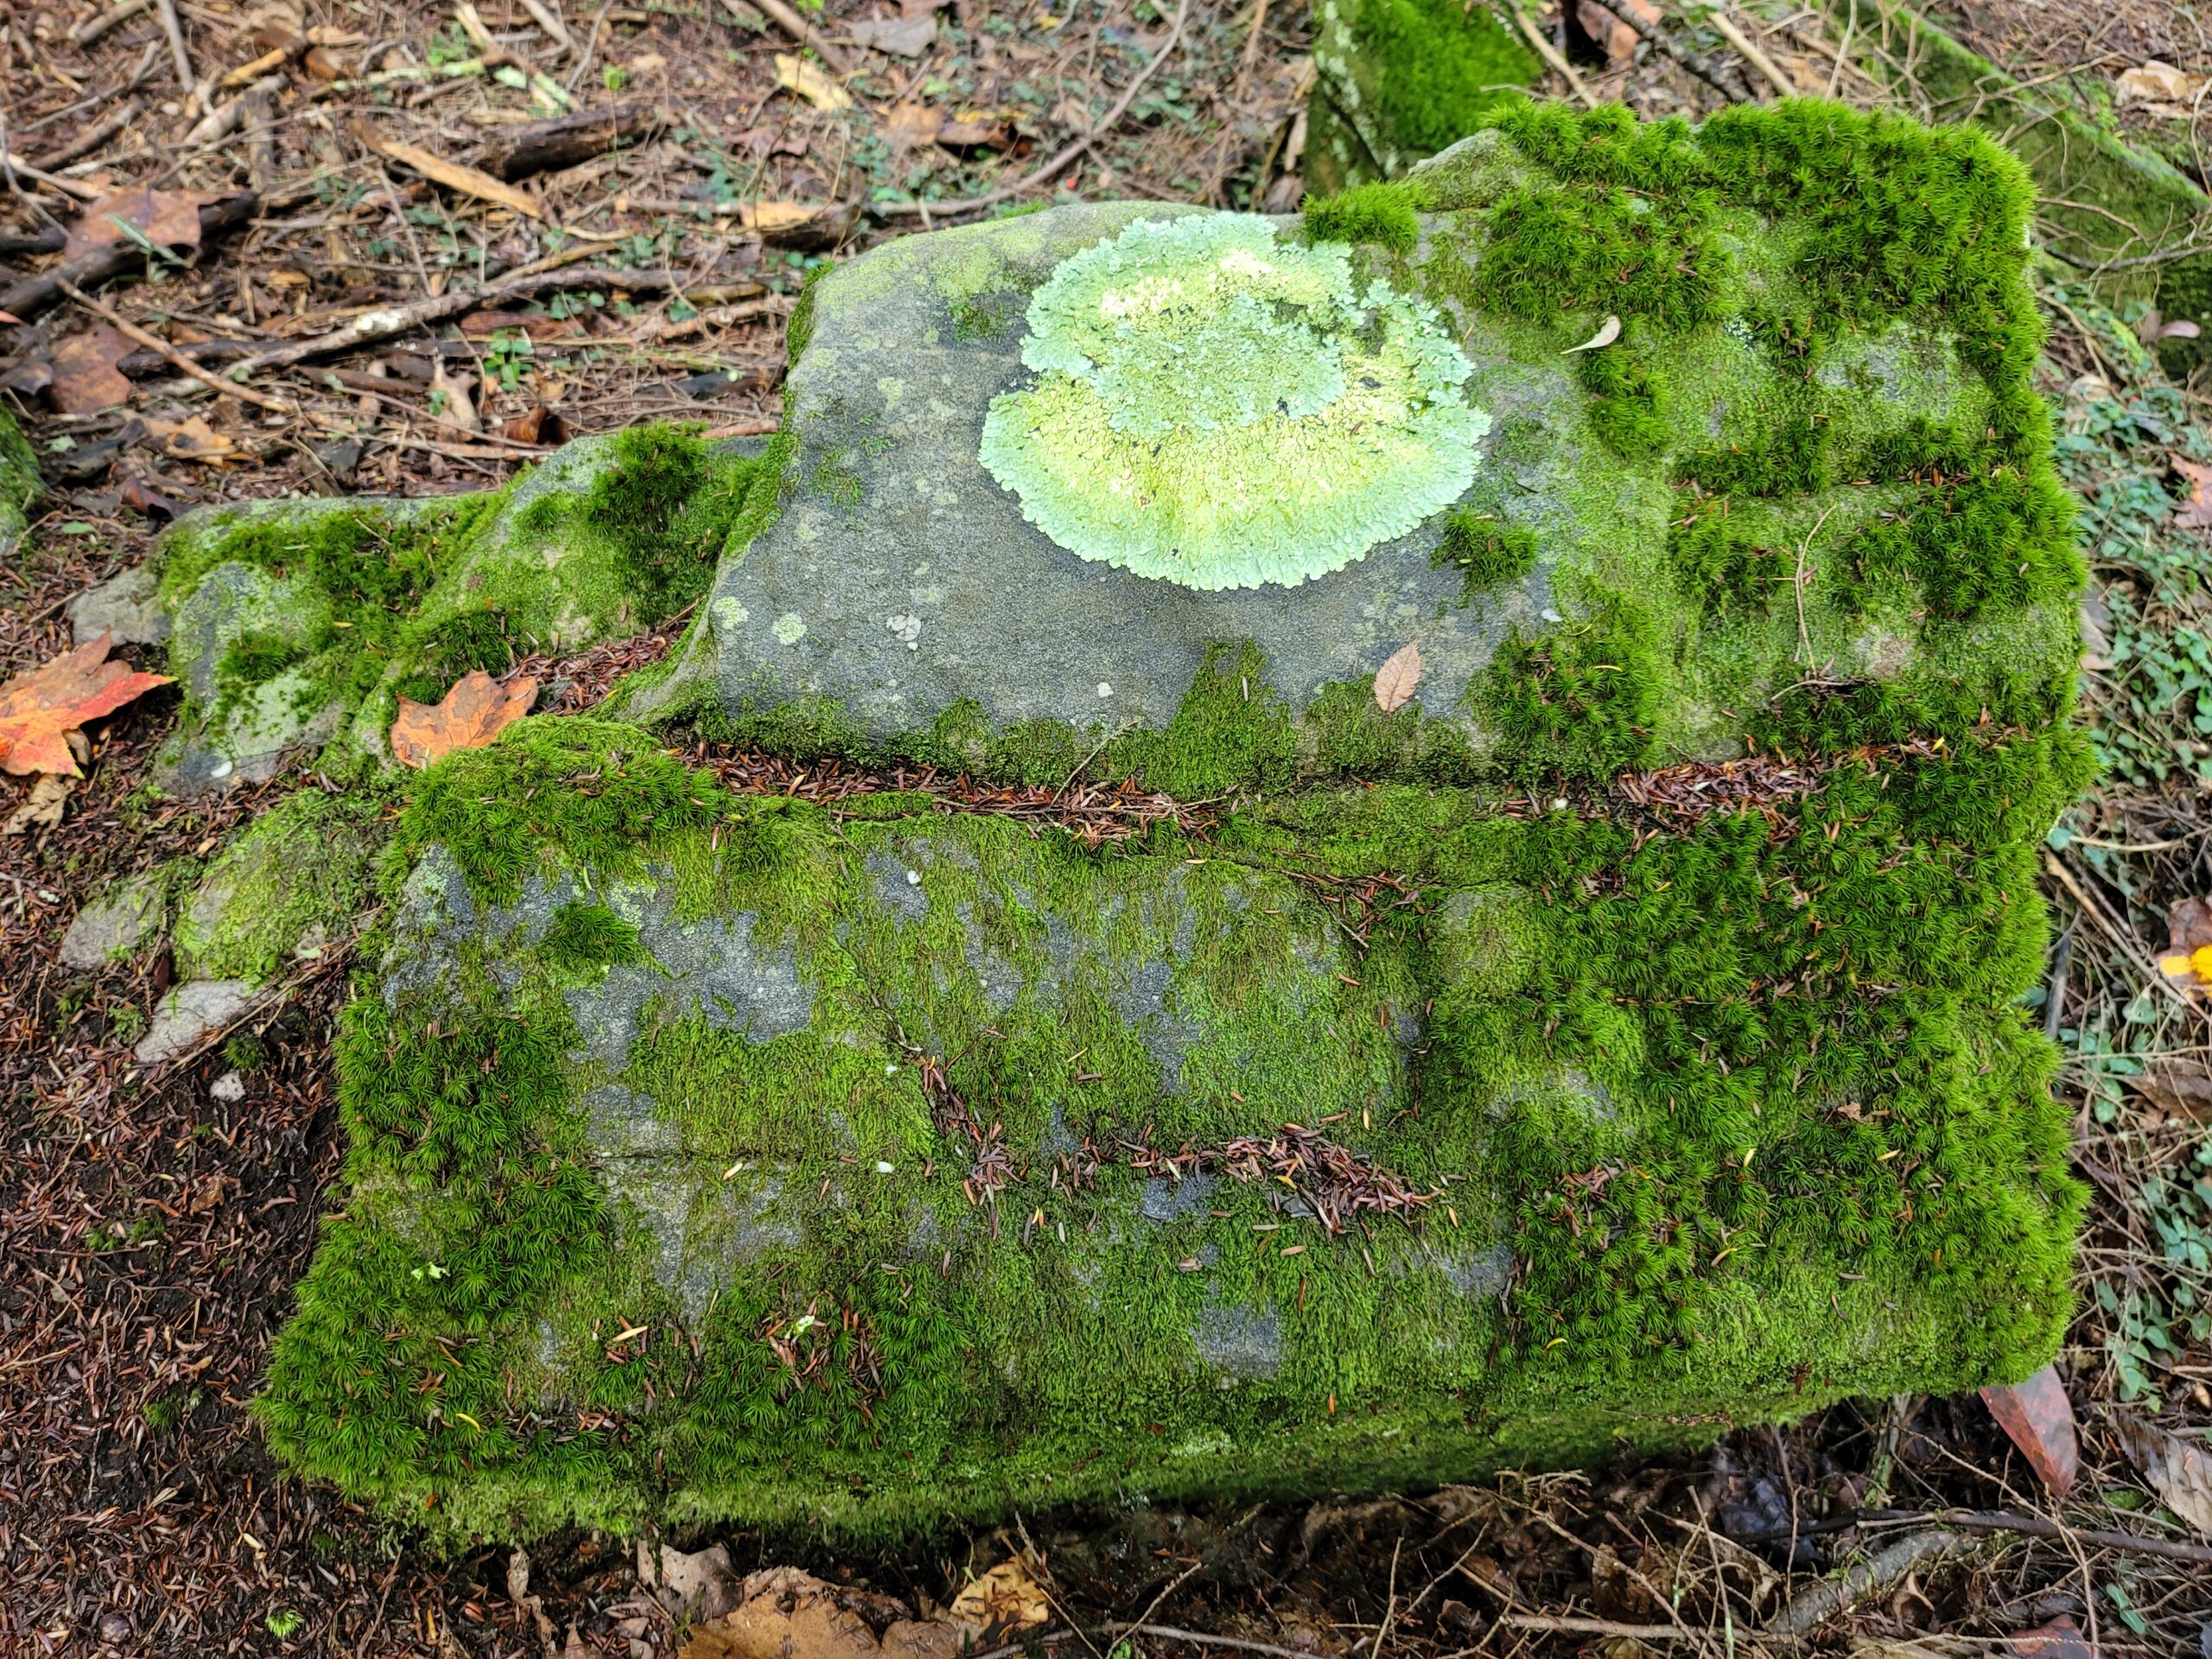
721,1157
296,883
20,485
1400,80
297,621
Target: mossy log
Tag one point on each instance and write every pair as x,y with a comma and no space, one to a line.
1619,1040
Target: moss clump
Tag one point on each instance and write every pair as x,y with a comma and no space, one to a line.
1403,78
295,882
582,937
1490,552
1384,213
20,485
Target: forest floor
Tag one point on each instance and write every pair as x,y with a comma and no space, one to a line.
150,1231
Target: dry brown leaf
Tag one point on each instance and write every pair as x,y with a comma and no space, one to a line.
540,425
1004,1599
2179,1085
2039,1418
1395,680
191,438
903,37
2195,514
85,378
974,131
40,708
2179,1470
784,1613
798,75
475,711
767,217
466,179
451,406
42,808
906,125
170,218
2187,959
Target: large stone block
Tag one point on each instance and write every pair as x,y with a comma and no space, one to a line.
752,1120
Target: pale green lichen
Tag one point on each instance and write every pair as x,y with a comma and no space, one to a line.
1223,409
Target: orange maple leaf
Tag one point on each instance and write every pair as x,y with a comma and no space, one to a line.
475,711
40,708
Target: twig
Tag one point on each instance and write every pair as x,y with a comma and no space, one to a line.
1815,1606
175,358
85,142
1804,550
1733,34
2035,1526
1552,55
804,32
1597,1627
86,33
991,197
556,30
2130,945
173,28
68,187
1201,1639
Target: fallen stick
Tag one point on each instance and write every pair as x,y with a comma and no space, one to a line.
70,188
804,32
1552,55
85,142
517,152
1597,1627
1815,1606
2034,1526
34,295
176,359
173,26
1731,32
387,322
86,33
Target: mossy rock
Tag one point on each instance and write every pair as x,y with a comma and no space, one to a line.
296,625
295,884
20,484
1419,1099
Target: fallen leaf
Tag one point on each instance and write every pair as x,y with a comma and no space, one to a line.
43,806
541,425
451,406
1608,332
2039,1418
477,325
2179,1470
2180,1085
2180,328
40,708
1395,680
2060,1639
141,498
906,125
696,1584
466,179
2187,960
798,75
904,37
85,378
191,438
2157,82
2195,514
168,217
475,711
784,1613
974,132
1004,1599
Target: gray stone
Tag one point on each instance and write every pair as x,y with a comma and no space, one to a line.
229,1088
191,1012
116,924
125,608
901,577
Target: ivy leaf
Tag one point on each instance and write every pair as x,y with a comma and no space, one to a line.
2039,1418
39,710
1395,680
475,711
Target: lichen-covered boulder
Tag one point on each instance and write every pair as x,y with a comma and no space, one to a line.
1620,1039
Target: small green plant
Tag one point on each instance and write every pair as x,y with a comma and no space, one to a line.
614,77
285,1624
508,356
243,1051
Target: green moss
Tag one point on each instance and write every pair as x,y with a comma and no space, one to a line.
20,485
1580,704
1490,552
582,937
1383,214
297,879
1403,78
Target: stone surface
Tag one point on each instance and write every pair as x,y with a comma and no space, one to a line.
191,1012
902,577
126,608
284,891
117,924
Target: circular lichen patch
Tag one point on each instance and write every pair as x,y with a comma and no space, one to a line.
1220,408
